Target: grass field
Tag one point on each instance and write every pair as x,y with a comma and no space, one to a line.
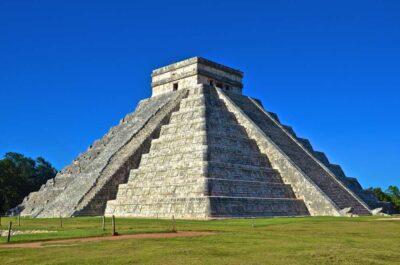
313,240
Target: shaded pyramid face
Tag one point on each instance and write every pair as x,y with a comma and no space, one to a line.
199,149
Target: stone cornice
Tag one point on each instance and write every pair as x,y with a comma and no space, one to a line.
196,60
198,72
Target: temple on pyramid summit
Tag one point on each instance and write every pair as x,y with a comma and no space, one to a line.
199,149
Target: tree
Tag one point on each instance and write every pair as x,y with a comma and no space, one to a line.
380,194
393,191
10,183
20,175
392,195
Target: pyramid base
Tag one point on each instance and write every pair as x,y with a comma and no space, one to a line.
209,207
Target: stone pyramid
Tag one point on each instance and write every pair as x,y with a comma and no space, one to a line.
199,149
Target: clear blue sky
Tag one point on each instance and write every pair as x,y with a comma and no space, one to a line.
69,70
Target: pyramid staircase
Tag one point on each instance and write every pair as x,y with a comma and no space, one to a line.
204,165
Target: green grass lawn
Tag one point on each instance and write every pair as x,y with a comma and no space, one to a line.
313,240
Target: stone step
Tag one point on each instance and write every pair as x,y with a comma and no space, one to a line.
177,165
148,198
322,157
189,114
221,207
212,153
193,102
242,147
290,130
185,126
136,193
201,138
59,181
200,124
237,156
198,102
226,207
337,170
193,208
198,167
183,175
198,137
227,128
231,130
194,138
306,144
154,158
171,150
159,180
157,198
181,187
235,141
256,189
220,115
208,118
242,172
211,113
211,169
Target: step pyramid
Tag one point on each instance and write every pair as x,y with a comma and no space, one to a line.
204,165
199,149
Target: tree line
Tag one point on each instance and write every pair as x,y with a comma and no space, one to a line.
20,175
391,194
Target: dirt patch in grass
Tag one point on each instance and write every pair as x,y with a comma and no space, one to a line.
25,232
72,242
388,219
